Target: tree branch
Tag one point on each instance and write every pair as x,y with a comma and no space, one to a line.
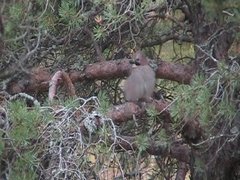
105,70
176,149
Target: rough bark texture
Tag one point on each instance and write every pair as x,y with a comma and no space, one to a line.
39,77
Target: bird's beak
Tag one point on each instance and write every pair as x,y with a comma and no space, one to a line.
132,61
137,62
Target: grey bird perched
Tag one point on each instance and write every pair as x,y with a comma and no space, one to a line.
140,84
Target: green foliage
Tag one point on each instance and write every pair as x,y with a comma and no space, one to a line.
152,113
24,167
104,133
99,33
110,14
67,10
104,102
162,135
48,21
143,142
9,28
17,11
225,108
24,123
68,14
210,99
194,101
70,103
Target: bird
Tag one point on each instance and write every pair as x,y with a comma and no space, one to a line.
139,85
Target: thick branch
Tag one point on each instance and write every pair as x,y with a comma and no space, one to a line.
121,68
39,79
175,72
124,112
176,149
103,70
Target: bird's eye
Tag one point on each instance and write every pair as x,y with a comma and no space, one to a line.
137,61
3,115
